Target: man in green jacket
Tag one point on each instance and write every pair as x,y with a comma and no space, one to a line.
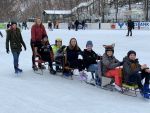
14,39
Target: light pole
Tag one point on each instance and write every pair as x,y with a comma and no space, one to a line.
116,6
146,10
130,9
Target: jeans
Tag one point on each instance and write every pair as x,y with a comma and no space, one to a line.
16,59
129,32
93,68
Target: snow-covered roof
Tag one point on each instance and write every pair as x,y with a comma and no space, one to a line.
83,4
59,12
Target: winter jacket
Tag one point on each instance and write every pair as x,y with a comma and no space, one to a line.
130,68
37,33
14,37
72,54
109,63
77,23
89,57
46,52
55,49
130,25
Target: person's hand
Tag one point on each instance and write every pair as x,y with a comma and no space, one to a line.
147,70
143,66
7,50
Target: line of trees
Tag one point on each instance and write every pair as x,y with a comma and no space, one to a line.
22,9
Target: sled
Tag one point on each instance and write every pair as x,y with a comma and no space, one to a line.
130,90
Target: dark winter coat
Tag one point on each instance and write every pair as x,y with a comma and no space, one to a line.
37,33
130,25
46,52
14,37
72,54
89,57
130,68
77,23
109,63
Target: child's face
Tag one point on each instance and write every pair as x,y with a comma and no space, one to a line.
59,43
73,42
132,56
89,47
109,53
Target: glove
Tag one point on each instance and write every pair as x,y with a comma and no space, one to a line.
7,50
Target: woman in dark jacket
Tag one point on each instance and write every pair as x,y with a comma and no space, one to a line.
37,33
131,75
14,38
72,51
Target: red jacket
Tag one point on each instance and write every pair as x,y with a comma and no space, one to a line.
37,32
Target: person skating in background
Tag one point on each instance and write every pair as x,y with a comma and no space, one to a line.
24,25
70,25
1,34
110,64
134,73
83,24
90,61
37,33
76,25
14,39
57,24
50,25
130,26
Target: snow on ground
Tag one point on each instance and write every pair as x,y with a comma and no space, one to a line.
33,93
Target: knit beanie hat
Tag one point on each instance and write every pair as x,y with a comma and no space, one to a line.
89,43
131,52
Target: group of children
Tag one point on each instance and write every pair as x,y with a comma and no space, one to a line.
128,71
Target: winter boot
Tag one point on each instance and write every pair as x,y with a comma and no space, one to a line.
16,71
34,67
68,75
144,94
83,76
146,88
19,70
52,71
98,81
42,66
58,69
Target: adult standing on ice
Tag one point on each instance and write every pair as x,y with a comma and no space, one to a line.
14,38
130,26
37,33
